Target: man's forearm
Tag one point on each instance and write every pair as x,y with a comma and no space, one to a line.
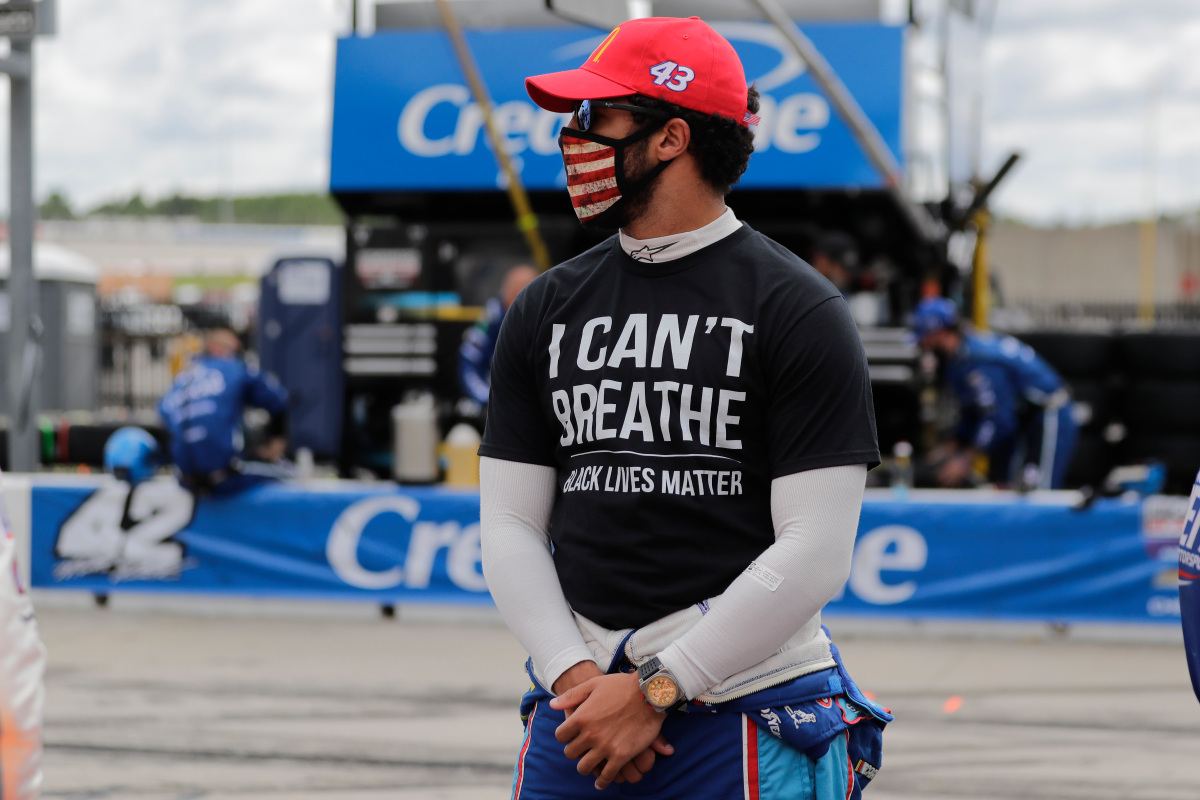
516,500
816,518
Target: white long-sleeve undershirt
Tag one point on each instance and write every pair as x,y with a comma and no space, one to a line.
516,500
815,515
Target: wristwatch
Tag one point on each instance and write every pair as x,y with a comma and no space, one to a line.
659,686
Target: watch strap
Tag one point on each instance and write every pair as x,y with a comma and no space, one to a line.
648,669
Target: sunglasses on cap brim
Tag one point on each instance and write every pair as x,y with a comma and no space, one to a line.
583,112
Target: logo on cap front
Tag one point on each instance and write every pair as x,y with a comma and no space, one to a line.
599,51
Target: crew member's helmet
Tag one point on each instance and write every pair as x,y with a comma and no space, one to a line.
934,314
131,454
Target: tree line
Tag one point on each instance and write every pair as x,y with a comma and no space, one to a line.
296,208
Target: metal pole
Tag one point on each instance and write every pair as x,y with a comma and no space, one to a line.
25,327
1147,267
980,273
1148,230
527,221
984,193
865,132
638,9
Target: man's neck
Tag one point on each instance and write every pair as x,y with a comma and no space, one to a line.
665,219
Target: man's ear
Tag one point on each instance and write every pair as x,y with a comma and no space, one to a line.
672,139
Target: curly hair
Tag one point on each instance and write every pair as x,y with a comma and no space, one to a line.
722,146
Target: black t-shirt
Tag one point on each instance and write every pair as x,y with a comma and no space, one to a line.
668,396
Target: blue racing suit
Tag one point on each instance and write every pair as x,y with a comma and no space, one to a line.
203,413
1189,585
816,737
1014,407
475,353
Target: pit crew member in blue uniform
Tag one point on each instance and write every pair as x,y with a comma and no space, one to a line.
479,342
677,443
1189,585
1013,406
203,413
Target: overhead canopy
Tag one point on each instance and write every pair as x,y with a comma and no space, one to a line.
52,262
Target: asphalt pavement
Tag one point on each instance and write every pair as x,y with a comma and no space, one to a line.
167,697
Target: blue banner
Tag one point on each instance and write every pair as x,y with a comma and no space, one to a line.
404,119
1010,559
350,540
1003,557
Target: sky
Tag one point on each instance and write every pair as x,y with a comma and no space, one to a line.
1102,97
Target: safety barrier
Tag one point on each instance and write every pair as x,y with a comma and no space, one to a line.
930,554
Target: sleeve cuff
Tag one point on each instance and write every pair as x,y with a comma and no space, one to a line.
505,454
846,459
692,681
562,662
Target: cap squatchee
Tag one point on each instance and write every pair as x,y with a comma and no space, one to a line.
679,61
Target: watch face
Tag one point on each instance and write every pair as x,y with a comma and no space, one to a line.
662,692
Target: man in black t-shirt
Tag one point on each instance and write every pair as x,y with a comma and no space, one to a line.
677,441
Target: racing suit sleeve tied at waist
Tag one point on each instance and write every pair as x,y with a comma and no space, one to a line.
808,651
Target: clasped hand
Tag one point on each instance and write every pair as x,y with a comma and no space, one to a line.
610,730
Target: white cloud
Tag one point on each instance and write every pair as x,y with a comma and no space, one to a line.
1101,96
177,94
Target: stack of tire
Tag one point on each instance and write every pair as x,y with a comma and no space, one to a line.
1086,360
1160,402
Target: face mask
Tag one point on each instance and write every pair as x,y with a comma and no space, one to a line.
596,179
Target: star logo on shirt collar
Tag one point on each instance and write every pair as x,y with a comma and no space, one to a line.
647,252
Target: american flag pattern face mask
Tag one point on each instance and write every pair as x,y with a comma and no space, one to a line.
596,178
591,175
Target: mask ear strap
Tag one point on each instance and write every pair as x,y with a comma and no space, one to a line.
649,176
638,136
644,132
633,138
588,136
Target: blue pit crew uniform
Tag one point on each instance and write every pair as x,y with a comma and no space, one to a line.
817,736
1014,407
475,353
1189,585
203,413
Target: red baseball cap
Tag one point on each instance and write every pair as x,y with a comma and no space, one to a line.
680,61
